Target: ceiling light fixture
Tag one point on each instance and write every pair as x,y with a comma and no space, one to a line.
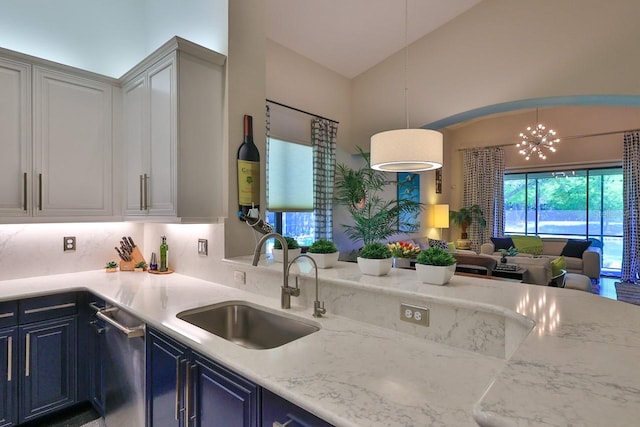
406,150
538,140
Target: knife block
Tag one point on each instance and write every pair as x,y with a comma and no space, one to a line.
136,257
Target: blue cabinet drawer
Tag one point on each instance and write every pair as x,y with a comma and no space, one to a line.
8,313
278,411
47,307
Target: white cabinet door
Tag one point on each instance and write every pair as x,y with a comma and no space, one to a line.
162,167
136,136
73,145
15,138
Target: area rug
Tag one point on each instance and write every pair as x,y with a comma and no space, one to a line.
628,292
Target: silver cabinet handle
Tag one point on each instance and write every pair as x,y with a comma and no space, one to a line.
136,331
49,308
39,191
187,401
95,306
285,424
141,193
9,358
177,409
146,192
5,315
27,356
195,399
24,191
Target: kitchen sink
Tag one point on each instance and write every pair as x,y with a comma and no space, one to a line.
248,325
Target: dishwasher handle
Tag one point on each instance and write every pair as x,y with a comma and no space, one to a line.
136,331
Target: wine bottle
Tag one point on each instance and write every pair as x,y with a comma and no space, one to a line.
248,171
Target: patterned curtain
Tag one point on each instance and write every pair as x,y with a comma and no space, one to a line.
484,186
631,196
323,140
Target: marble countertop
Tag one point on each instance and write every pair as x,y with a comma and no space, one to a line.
577,366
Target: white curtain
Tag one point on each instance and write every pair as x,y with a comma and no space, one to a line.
484,186
631,196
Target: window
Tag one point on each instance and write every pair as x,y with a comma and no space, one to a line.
580,204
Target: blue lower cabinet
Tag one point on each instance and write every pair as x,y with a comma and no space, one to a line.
277,411
165,381
221,397
185,389
8,377
48,373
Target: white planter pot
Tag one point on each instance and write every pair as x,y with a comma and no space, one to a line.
325,260
434,274
277,254
374,267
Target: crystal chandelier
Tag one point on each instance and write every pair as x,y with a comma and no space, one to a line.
537,141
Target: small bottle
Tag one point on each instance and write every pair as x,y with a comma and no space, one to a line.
153,264
164,255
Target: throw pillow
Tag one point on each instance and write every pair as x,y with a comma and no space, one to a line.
501,243
575,248
452,247
528,244
439,244
557,265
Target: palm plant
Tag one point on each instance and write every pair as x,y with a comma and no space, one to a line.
466,216
374,219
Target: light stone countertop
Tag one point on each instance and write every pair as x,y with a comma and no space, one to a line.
577,366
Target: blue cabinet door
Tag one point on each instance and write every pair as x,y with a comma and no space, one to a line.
48,372
165,380
221,397
8,377
278,411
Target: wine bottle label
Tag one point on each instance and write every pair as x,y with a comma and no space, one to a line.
248,182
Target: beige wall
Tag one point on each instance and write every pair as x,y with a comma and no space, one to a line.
501,51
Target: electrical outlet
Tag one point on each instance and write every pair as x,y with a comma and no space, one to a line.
240,277
203,247
414,314
69,243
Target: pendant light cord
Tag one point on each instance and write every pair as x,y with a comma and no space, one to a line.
406,61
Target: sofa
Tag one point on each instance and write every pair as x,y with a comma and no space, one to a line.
538,266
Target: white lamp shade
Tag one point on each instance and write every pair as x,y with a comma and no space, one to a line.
406,150
440,216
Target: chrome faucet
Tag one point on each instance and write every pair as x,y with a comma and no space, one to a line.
287,292
318,307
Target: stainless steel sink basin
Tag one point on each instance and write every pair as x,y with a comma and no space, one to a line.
247,325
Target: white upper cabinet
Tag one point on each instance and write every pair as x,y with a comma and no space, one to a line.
57,146
173,105
72,145
15,138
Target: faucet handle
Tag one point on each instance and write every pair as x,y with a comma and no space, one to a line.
318,309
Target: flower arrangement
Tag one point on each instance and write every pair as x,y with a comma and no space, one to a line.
404,249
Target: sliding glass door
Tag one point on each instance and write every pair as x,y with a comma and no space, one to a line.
578,203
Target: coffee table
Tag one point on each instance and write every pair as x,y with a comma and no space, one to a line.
510,274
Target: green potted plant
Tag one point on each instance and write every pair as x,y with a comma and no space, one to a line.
111,267
374,218
375,259
292,245
463,219
324,253
140,266
435,266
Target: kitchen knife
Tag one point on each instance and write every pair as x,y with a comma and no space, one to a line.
120,253
124,247
133,245
126,244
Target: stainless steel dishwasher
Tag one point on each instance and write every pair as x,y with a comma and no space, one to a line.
124,368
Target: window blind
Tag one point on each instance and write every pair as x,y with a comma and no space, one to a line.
290,177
